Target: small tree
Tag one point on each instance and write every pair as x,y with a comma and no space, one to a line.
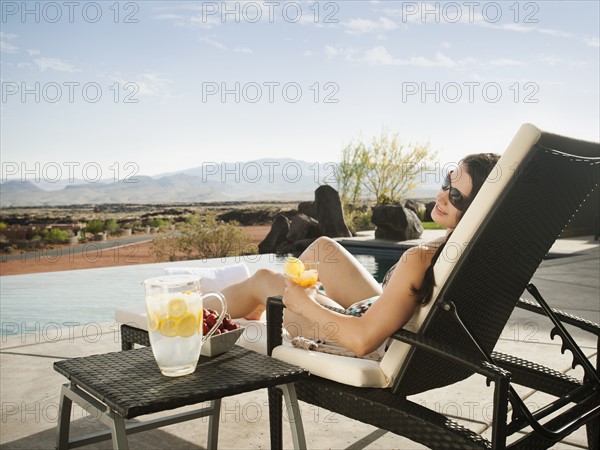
351,172
385,168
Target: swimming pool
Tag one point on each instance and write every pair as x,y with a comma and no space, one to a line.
45,301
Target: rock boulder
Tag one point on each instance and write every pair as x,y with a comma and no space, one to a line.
276,236
329,212
396,223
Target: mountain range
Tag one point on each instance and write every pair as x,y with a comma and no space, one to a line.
258,180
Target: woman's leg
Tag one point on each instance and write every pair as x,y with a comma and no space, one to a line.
248,298
345,280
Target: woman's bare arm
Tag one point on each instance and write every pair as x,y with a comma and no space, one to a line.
364,334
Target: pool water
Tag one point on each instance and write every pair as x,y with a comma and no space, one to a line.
33,303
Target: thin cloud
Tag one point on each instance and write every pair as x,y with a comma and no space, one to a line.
5,46
147,84
380,56
435,13
212,42
59,65
152,84
592,41
243,50
365,26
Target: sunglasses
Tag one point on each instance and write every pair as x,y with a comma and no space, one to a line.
457,198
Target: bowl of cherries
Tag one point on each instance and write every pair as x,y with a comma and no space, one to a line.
223,338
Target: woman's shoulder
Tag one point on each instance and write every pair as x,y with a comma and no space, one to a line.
419,254
414,261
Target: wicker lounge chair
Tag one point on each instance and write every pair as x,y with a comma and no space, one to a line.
541,181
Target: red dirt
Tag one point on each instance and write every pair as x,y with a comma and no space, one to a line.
123,256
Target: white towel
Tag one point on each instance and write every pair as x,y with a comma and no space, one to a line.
214,278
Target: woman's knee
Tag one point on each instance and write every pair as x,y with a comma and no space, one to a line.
322,249
264,275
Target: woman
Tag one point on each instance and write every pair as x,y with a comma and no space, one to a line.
408,285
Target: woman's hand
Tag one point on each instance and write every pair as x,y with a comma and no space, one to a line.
297,298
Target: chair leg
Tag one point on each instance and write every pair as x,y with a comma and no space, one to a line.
593,433
275,417
126,345
64,418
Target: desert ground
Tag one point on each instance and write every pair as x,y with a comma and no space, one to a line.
127,255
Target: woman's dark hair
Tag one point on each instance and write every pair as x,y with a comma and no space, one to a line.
478,166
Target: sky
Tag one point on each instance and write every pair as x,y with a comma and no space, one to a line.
113,89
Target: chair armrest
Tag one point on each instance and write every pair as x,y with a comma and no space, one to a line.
480,366
567,318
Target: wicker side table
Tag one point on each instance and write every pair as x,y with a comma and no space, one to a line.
123,385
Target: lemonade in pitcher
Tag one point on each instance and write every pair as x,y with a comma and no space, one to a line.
174,306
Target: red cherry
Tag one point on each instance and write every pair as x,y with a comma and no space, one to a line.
211,319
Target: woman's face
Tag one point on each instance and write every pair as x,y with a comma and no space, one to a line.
444,212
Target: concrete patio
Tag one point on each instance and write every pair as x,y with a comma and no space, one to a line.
30,387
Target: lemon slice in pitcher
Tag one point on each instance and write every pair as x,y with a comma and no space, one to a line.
187,326
177,307
168,327
153,320
293,267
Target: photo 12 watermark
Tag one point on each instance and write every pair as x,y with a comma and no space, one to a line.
69,12
29,332
469,12
469,92
269,11
69,171
69,92
269,92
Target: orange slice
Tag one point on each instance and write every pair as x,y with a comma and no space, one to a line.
293,267
308,278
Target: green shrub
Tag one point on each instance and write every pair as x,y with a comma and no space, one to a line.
111,226
95,226
56,236
202,238
159,223
432,226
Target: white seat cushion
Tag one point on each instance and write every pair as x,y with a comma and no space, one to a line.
134,316
214,278
343,369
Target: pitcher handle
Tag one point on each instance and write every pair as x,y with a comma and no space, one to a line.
221,298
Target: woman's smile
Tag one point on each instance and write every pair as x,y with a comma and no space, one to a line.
439,210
